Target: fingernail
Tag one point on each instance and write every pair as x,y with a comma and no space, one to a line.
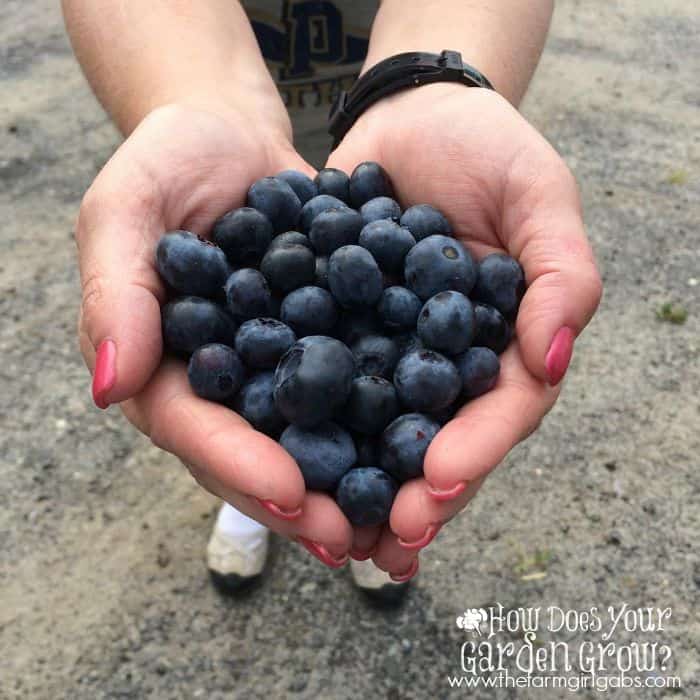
360,555
447,494
105,374
278,512
407,575
559,355
424,541
322,554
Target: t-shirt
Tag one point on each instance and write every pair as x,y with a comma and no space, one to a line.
314,49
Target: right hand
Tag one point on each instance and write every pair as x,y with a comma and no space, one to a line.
183,168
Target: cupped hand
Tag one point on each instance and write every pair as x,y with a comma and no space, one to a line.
504,189
183,168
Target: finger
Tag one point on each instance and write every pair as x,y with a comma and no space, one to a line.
398,562
364,542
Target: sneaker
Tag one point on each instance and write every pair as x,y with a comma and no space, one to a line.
377,584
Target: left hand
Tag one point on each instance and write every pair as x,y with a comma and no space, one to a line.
469,153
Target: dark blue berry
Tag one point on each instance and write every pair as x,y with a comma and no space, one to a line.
190,322
399,308
353,325
244,235
333,182
310,311
290,238
404,444
407,342
277,200
334,228
248,295
388,242
365,495
422,221
192,265
501,283
375,356
380,208
492,330
313,379
439,263
479,368
288,267
369,180
255,402
446,322
367,447
316,206
354,277
215,372
324,454
371,406
426,381
304,187
261,342
321,278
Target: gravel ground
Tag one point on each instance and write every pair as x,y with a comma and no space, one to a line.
103,590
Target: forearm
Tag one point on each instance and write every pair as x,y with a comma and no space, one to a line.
501,38
140,55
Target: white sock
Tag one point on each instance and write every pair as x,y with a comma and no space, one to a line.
236,524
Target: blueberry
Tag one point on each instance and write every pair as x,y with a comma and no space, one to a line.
244,235
255,403
248,295
290,238
446,322
215,372
190,322
321,275
479,368
426,381
492,330
354,277
375,356
369,180
404,444
315,206
333,182
367,447
304,187
324,454
439,263
501,283
422,221
313,379
372,405
445,415
365,495
334,228
353,325
399,308
380,208
261,342
288,267
277,200
192,265
310,311
407,342
388,242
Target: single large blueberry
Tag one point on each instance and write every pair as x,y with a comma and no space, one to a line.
439,263
355,324
315,206
380,208
261,342
354,277
399,308
244,235
255,403
192,265
446,322
313,379
304,187
365,495
310,311
215,372
324,454
404,444
190,322
334,228
248,295
388,242
479,369
492,330
501,283
369,180
333,182
288,267
372,405
277,200
426,381
422,221
375,356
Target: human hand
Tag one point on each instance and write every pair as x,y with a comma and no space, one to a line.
504,189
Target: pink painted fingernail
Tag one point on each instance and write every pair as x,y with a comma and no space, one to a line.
447,494
559,355
407,575
424,541
360,555
322,554
105,375
278,512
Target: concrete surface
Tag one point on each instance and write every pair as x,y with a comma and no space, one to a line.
103,592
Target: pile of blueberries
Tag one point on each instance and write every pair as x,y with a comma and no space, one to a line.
338,324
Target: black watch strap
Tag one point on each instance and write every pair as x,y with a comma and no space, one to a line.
397,73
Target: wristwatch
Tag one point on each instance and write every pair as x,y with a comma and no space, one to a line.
397,73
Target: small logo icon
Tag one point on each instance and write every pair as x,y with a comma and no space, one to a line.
471,620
